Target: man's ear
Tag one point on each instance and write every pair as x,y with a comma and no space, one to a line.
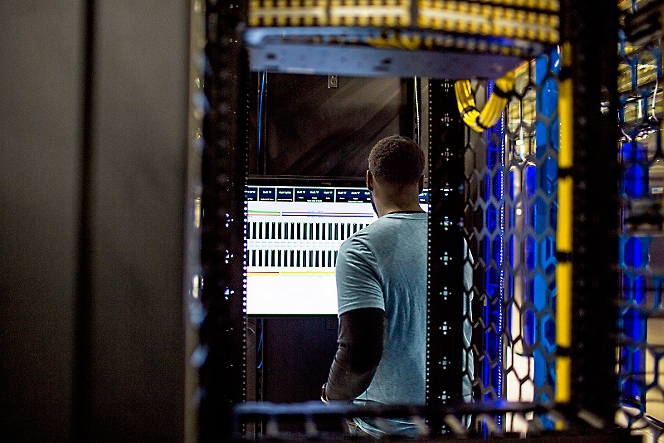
420,183
370,180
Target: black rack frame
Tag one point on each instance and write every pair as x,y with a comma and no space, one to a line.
595,289
592,33
222,373
445,249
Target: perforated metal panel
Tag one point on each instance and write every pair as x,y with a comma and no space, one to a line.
510,222
642,240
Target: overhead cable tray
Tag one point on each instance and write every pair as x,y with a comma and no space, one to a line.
427,38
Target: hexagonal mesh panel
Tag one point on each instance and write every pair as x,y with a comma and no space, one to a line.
642,242
510,222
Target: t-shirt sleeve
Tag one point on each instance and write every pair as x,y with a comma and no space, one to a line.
358,283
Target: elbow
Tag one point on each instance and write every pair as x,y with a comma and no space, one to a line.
366,362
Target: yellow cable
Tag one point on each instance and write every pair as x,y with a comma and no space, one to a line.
565,214
481,120
396,41
564,243
563,331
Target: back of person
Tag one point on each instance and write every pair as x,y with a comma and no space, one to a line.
382,295
395,249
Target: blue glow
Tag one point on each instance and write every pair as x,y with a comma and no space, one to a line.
531,180
549,176
495,282
544,210
634,254
548,103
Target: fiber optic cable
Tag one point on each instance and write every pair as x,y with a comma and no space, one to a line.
489,116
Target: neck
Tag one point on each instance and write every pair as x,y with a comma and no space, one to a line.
403,203
390,198
407,211
401,209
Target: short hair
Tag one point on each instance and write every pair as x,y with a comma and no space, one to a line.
397,159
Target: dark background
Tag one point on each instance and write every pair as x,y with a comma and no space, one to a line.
311,130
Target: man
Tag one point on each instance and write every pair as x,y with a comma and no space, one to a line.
382,294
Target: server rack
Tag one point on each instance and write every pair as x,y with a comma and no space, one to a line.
276,47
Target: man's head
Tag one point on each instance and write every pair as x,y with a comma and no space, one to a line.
395,175
396,159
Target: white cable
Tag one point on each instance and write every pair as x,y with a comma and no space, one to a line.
629,139
417,110
654,94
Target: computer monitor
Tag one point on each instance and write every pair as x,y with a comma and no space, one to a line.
293,233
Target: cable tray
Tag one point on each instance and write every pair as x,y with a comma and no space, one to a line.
376,52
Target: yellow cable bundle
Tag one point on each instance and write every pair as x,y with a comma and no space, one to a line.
396,41
476,120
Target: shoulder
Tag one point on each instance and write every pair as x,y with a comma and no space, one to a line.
386,230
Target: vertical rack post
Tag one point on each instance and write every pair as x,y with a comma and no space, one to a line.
221,354
445,251
589,50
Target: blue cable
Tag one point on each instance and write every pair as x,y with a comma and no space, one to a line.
261,94
260,345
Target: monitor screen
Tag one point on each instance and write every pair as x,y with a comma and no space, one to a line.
293,237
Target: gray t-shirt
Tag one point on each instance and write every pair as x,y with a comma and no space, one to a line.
385,266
